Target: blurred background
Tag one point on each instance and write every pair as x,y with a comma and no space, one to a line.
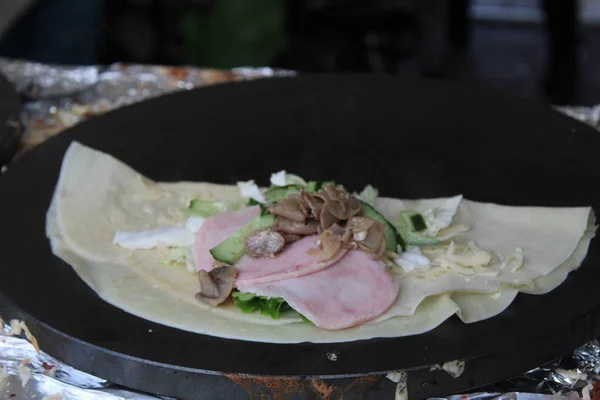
542,49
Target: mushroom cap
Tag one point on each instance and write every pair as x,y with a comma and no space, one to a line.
290,208
216,285
290,227
264,243
332,213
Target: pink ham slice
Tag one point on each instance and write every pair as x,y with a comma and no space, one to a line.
297,259
354,290
216,229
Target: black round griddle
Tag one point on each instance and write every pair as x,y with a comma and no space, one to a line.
10,126
408,138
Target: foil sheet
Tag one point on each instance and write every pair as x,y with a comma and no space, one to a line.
589,115
62,96
508,396
576,376
58,97
39,80
28,374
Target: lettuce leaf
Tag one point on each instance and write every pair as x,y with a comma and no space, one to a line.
179,256
271,306
282,178
208,208
249,303
251,190
304,319
368,194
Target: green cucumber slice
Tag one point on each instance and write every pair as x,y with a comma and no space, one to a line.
277,193
233,248
413,221
208,208
392,236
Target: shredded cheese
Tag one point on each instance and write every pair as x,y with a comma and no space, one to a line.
451,231
181,256
470,260
412,259
481,271
396,376
24,374
30,337
453,368
514,261
463,259
3,376
15,328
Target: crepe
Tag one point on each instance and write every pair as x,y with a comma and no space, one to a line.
97,195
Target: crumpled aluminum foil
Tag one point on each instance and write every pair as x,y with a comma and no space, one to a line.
60,97
26,374
571,377
508,396
589,115
36,80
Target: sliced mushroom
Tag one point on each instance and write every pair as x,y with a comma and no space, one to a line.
208,287
381,251
333,206
336,193
360,227
327,219
345,234
313,204
359,224
216,285
376,254
289,208
290,227
332,213
376,234
334,239
337,230
264,243
291,238
374,243
330,245
301,205
354,207
339,202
